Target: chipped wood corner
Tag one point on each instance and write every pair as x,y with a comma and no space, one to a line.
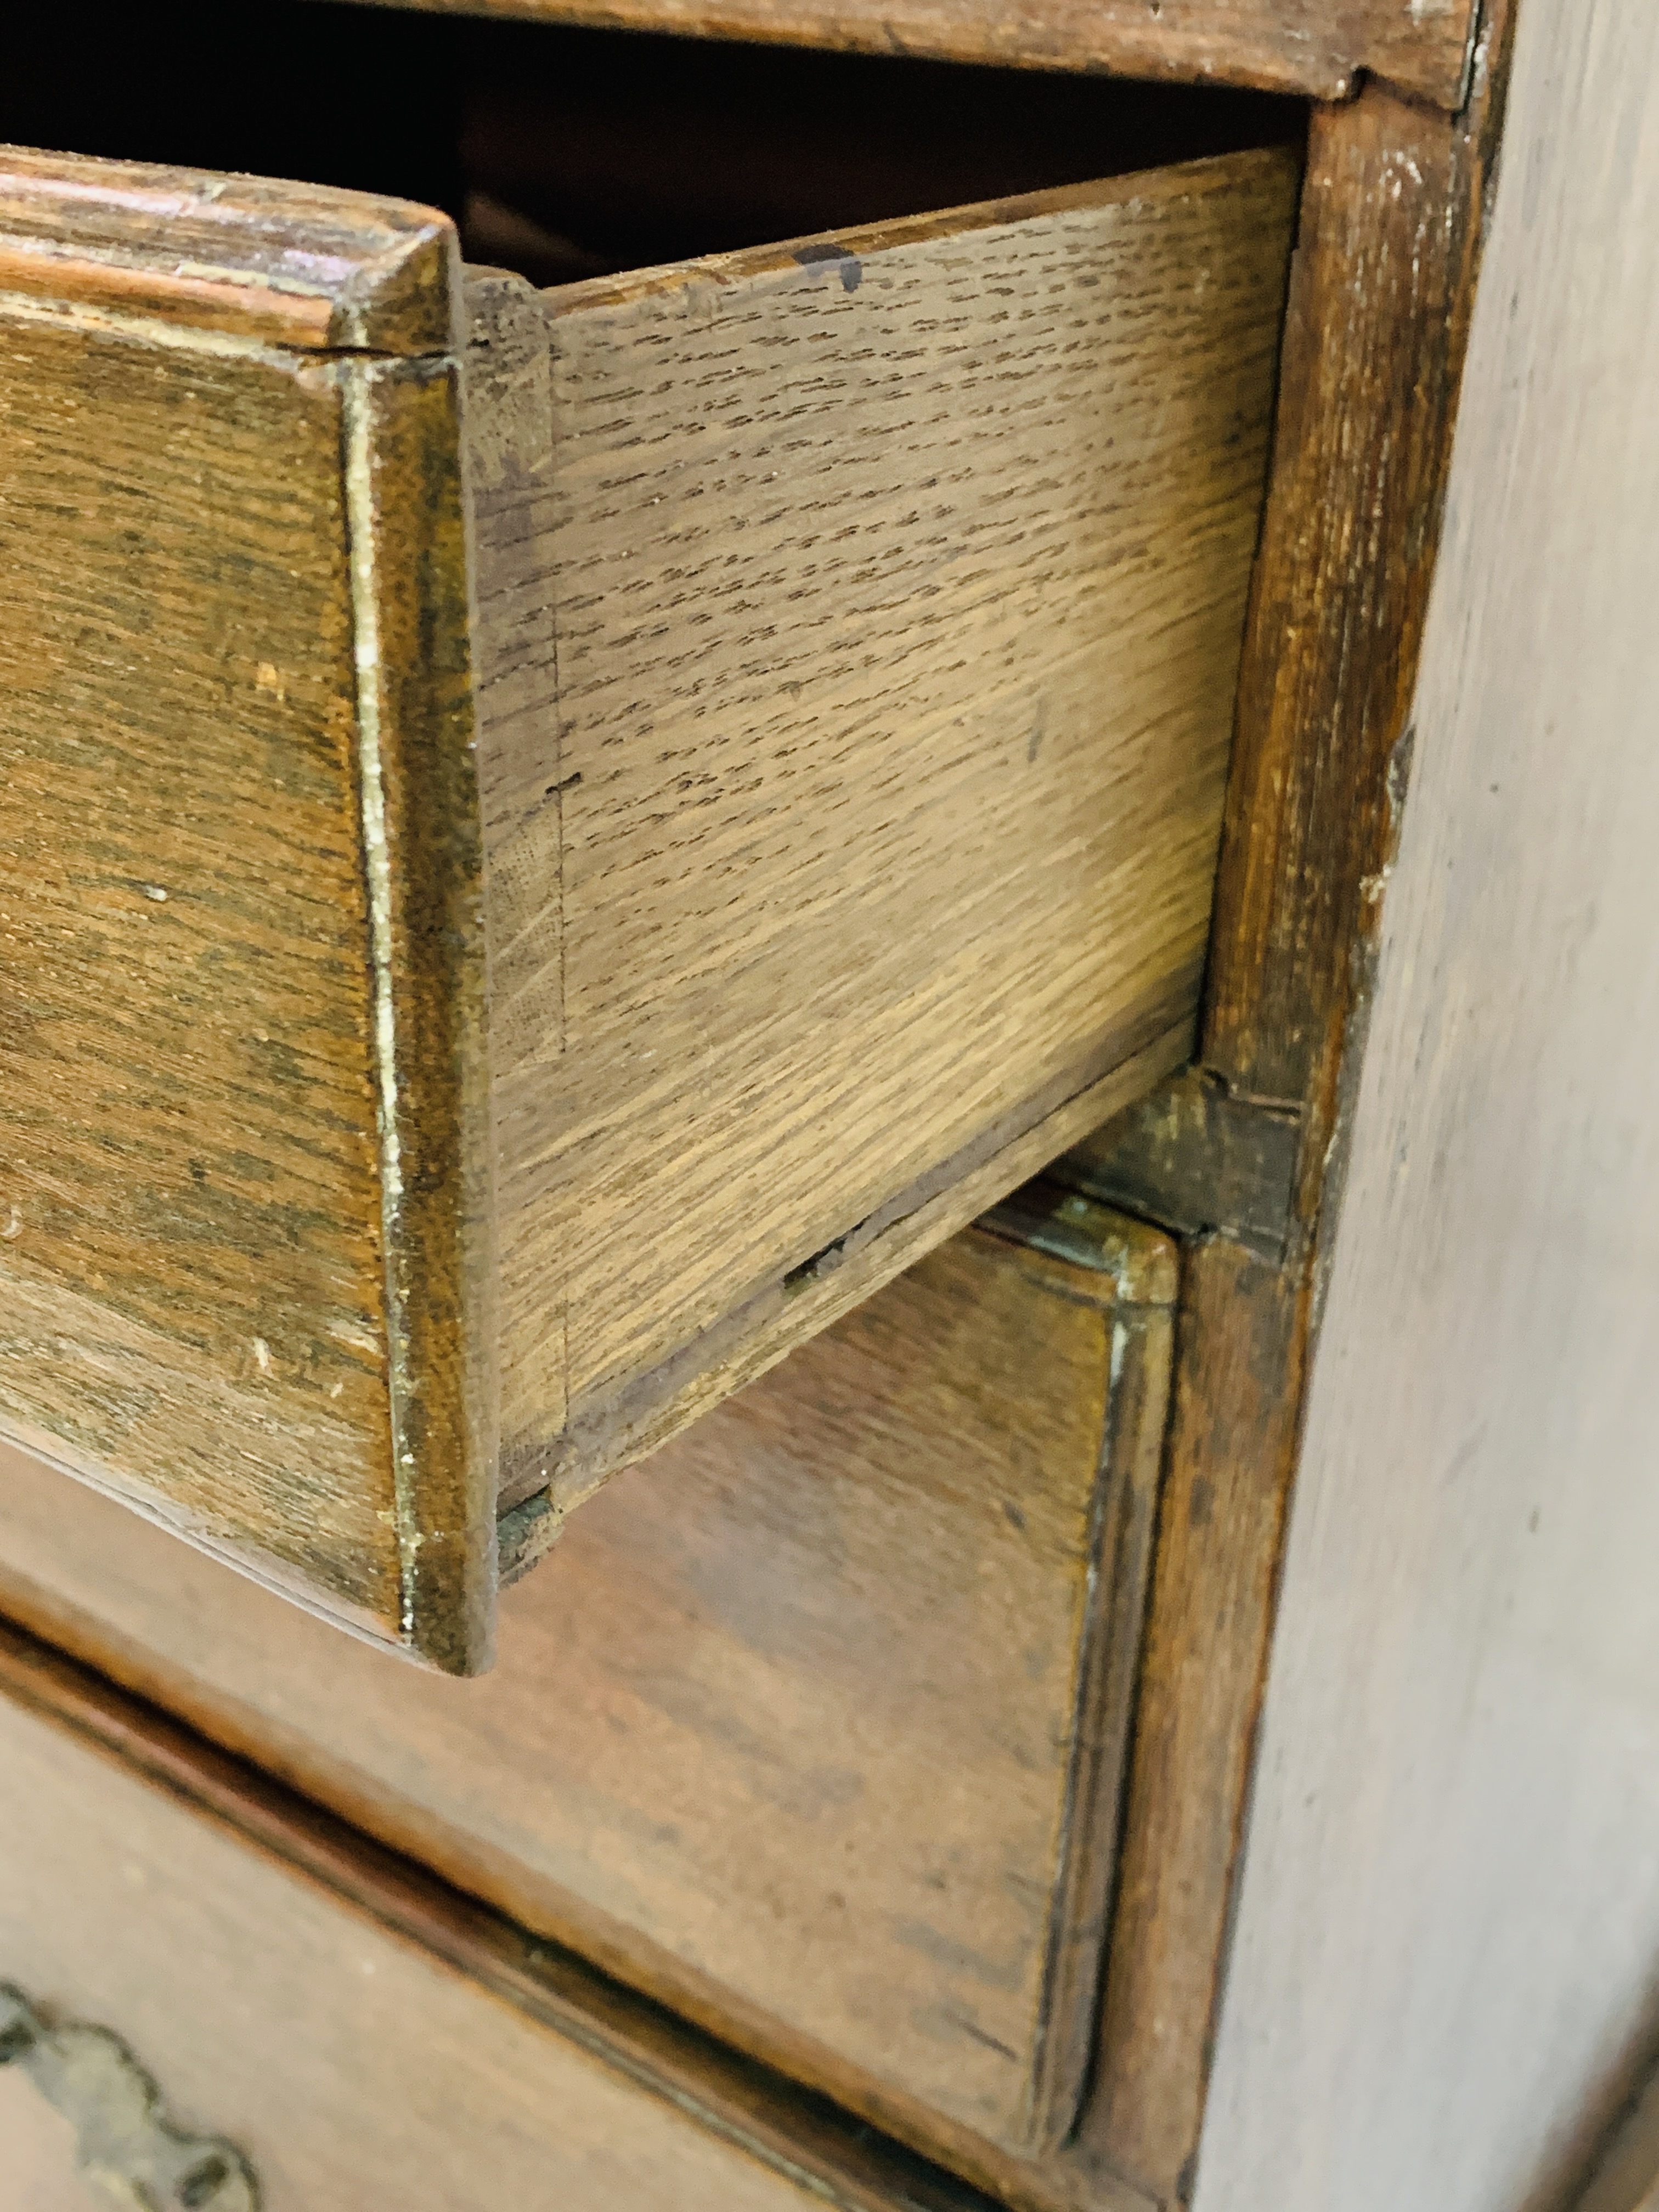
126,2140
278,370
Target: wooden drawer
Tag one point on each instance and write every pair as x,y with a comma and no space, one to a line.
209,1999
815,1725
554,841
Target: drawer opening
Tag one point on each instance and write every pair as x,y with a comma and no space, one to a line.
564,153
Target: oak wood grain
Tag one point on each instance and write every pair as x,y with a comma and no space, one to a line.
355,2028
242,929
290,265
851,1780
752,1338
808,936
1375,332
1320,48
852,902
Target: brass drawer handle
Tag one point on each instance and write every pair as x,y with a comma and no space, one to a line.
124,2138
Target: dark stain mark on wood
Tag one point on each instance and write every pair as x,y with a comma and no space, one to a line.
525,1533
852,269
1195,1158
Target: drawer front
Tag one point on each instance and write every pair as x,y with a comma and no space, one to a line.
191,2017
239,837
814,1725
474,1008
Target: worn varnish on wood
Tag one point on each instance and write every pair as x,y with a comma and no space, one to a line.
1316,46
1391,234
241,1064
850,1780
854,627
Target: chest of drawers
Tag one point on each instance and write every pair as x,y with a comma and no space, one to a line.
698,783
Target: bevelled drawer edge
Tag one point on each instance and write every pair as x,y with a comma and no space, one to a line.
294,264
243,838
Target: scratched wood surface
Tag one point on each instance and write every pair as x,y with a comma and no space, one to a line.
851,1776
1314,47
898,580
359,2033
239,1049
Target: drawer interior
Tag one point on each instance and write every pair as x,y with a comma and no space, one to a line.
563,153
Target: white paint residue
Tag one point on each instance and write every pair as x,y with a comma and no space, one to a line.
361,516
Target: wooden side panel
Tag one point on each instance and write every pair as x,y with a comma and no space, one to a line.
356,2036
1231,1448
849,1783
1458,1793
240,1205
1382,291
899,588
1314,47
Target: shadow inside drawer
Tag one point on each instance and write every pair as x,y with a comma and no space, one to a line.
564,152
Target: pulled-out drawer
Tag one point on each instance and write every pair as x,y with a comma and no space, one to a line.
813,1726
552,841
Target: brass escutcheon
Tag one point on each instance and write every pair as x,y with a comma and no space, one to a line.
125,2140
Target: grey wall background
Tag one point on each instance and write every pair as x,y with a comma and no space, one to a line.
1447,1953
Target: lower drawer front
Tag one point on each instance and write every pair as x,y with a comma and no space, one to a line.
283,2025
813,1725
